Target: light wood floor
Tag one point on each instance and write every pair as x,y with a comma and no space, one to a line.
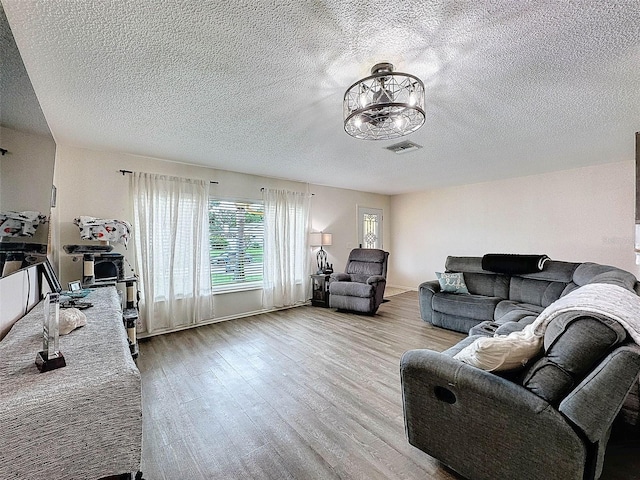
305,393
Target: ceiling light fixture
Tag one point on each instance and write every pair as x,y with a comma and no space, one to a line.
385,105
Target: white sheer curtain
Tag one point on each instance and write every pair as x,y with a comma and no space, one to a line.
286,246
171,238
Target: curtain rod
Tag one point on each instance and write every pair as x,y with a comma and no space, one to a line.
262,190
129,171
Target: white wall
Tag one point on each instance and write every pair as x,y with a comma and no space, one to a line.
18,294
89,183
335,211
579,215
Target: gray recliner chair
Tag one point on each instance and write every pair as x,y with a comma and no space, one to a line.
361,287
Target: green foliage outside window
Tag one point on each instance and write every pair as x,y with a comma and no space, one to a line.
236,239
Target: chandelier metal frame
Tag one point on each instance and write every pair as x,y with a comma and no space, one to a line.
385,105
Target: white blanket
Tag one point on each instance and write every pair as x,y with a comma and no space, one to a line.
605,299
505,352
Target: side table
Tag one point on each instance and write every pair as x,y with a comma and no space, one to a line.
320,290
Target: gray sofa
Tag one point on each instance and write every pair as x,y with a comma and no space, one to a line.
550,419
502,303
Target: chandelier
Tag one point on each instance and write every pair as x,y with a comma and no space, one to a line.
385,105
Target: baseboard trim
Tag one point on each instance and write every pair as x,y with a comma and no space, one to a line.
411,289
143,335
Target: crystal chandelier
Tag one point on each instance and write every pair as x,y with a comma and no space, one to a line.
385,105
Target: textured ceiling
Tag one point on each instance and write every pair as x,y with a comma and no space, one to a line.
19,108
512,87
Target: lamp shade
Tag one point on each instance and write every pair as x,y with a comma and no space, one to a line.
320,239
315,239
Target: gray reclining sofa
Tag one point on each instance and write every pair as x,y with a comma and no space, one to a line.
501,302
552,418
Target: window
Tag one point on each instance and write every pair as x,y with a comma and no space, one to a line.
370,227
236,238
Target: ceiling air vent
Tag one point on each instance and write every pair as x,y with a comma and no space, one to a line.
404,147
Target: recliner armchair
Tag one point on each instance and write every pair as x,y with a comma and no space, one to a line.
361,287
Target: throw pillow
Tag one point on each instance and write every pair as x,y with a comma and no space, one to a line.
503,352
452,282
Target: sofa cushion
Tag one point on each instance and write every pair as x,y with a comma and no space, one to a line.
364,262
535,292
510,311
353,289
554,271
572,348
452,282
464,264
456,323
479,281
477,307
584,332
508,327
365,268
594,273
487,284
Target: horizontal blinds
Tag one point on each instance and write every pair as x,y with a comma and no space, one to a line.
236,236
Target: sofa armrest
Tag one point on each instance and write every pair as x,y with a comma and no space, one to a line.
438,368
457,413
432,286
426,291
339,277
376,279
595,402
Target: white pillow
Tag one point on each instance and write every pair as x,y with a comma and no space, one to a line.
502,352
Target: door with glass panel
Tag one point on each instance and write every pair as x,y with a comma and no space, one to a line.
369,227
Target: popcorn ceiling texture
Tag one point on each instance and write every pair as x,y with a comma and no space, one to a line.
17,107
512,88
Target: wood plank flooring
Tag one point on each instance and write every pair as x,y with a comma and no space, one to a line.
305,393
